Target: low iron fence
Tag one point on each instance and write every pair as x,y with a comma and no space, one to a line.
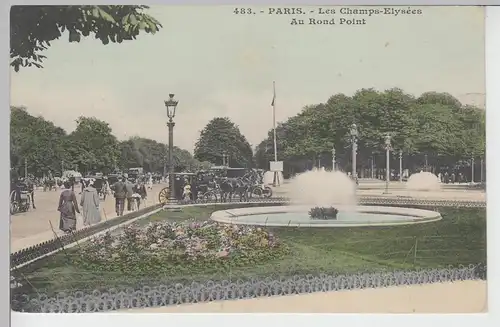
157,295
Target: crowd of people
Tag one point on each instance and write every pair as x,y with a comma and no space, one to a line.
124,190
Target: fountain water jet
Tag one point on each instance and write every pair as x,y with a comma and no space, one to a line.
319,187
423,181
323,188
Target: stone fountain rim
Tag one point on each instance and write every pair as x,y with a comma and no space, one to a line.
230,216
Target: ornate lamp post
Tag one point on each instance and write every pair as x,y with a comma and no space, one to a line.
482,170
171,105
372,163
400,166
354,141
472,170
425,169
387,161
333,158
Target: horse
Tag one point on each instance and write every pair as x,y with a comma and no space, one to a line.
49,184
231,186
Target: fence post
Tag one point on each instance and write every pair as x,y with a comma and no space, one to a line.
415,251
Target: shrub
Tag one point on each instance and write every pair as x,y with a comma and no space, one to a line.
172,247
323,213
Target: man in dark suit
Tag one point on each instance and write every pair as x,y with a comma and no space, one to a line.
129,188
120,193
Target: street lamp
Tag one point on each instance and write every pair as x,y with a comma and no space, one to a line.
171,105
387,159
482,170
354,141
472,170
372,163
400,166
333,158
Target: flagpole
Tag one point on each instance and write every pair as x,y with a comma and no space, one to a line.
274,123
276,176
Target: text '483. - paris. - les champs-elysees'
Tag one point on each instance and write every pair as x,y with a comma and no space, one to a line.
346,19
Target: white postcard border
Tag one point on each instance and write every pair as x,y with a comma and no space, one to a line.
493,117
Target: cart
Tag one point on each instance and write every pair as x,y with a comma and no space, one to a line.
165,192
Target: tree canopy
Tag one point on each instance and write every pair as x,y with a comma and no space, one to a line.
222,137
90,147
434,127
33,28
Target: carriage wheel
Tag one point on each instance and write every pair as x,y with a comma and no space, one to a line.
256,191
14,206
210,196
163,196
267,192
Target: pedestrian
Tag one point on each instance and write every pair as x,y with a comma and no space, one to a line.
150,181
186,190
82,184
120,193
68,207
129,188
90,204
141,190
139,194
72,180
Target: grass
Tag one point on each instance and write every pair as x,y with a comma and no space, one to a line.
458,239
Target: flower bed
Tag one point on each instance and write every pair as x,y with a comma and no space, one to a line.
323,213
168,248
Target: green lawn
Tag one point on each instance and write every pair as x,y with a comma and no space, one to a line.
460,238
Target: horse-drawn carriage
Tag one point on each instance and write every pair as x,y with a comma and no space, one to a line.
249,179
180,180
226,182
21,197
49,184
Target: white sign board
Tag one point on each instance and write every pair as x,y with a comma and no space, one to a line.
276,166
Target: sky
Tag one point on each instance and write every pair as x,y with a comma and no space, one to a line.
221,64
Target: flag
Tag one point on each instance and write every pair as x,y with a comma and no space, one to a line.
274,95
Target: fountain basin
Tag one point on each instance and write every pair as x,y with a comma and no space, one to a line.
348,216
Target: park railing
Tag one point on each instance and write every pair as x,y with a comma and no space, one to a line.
36,252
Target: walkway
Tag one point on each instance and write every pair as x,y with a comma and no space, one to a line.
33,227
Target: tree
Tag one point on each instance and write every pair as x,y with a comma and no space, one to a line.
33,28
35,141
153,156
94,139
221,136
90,147
434,127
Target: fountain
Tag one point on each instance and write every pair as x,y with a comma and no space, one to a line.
321,188
423,181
